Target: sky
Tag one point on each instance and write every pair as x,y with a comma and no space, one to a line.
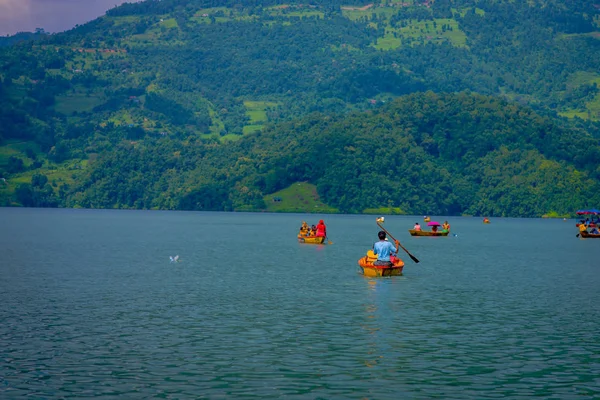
51,15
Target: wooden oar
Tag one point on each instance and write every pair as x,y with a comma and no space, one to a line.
328,241
415,259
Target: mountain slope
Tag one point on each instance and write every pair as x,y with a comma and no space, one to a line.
194,76
424,153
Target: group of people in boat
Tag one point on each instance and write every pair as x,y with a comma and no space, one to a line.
583,227
319,230
590,223
434,228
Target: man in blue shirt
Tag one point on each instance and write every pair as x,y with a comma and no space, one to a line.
384,249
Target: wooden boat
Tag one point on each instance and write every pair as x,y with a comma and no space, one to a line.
311,239
486,221
427,233
368,269
426,219
585,234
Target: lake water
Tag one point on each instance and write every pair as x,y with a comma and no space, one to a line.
92,307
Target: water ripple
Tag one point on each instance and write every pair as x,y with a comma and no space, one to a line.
97,310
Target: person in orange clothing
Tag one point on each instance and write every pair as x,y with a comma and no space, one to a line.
446,226
321,229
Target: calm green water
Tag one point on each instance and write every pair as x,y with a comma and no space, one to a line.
91,306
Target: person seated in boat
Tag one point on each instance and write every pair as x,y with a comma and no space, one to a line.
304,229
384,249
417,227
434,229
445,227
582,228
313,230
321,229
594,231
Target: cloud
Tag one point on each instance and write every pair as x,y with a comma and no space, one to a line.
52,15
14,13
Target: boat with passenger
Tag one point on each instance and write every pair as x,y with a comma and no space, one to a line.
313,234
433,232
368,269
592,219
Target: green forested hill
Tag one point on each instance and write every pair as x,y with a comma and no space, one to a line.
145,107
423,153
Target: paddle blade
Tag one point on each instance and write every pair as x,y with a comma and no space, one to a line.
414,258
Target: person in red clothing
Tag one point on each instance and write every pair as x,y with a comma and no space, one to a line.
321,229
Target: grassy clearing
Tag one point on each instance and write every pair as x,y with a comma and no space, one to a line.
170,23
299,197
257,112
123,20
554,214
595,35
251,129
360,13
58,175
230,137
463,11
13,148
583,77
122,117
77,102
425,31
592,108
220,14
574,113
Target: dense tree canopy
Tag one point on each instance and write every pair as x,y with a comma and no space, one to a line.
210,104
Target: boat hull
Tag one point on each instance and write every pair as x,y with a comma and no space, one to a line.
585,234
426,233
311,239
368,269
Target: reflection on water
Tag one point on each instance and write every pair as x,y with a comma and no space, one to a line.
371,323
93,307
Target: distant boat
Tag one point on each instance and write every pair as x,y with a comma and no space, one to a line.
426,219
427,233
486,221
